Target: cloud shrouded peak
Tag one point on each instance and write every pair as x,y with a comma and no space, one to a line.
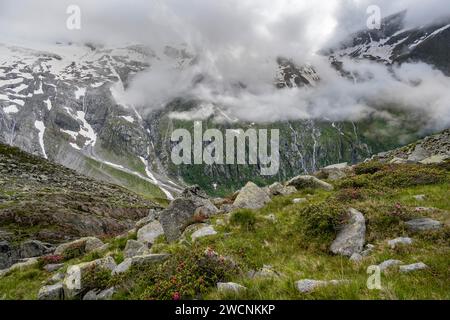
238,42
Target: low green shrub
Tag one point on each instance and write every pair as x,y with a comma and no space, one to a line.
317,223
370,167
396,176
96,277
75,250
118,257
356,182
245,218
349,194
385,220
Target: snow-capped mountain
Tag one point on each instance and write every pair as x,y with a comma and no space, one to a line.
396,43
66,103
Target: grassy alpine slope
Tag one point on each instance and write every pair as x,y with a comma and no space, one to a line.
45,201
294,239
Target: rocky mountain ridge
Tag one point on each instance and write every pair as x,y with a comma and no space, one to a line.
394,43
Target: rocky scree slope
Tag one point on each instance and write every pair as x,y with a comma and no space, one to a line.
44,201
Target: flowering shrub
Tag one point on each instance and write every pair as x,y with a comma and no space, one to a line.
52,259
349,194
176,296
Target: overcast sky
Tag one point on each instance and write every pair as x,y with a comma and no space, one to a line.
238,40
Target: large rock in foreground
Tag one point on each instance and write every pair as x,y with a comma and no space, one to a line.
302,182
351,237
192,207
52,292
251,197
177,217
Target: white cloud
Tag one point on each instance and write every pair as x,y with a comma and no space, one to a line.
238,41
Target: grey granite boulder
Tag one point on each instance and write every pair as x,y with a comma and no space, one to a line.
420,197
86,245
423,224
53,267
134,248
230,287
52,292
277,189
177,217
75,280
140,260
150,232
100,294
192,207
35,248
202,203
389,264
336,171
413,267
203,232
402,241
305,181
351,237
436,159
308,285
123,266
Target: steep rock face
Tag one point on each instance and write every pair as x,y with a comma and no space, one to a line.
291,75
305,146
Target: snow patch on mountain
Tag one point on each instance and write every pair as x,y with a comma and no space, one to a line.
80,92
41,128
87,131
10,109
48,103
